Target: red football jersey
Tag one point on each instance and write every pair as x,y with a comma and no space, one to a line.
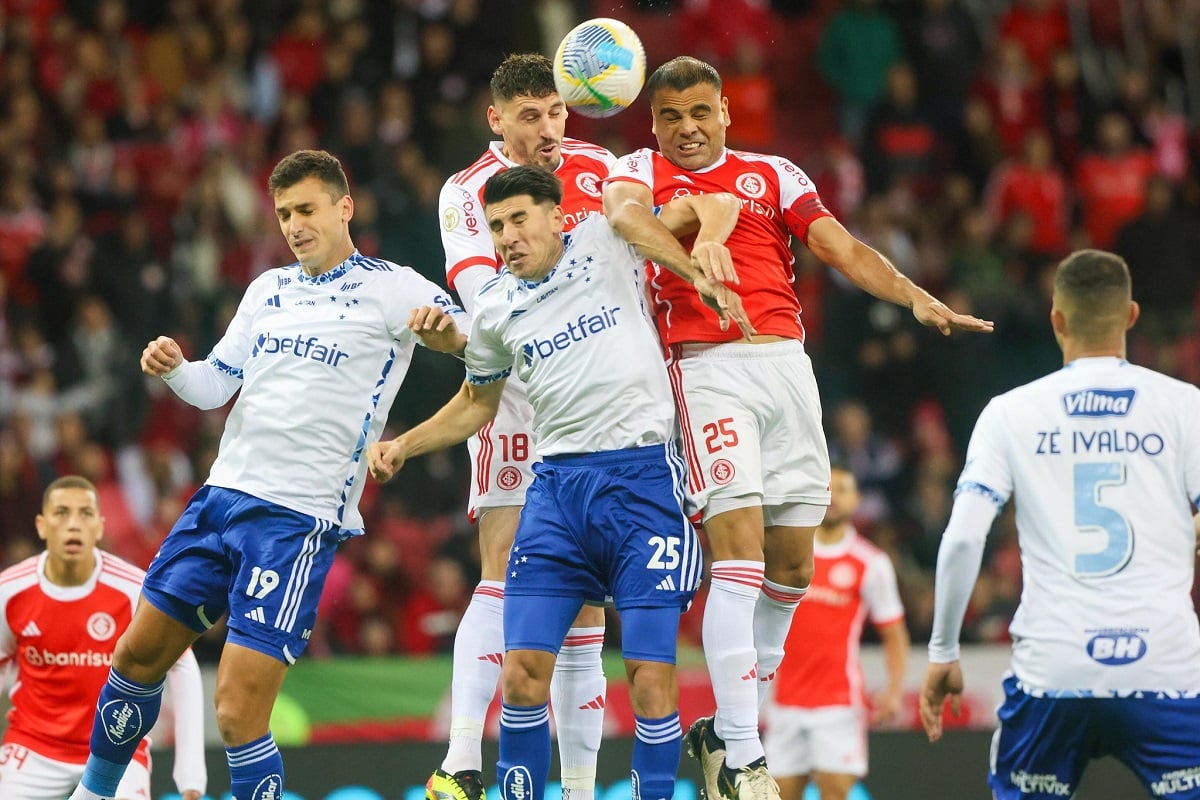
59,641
852,580
778,200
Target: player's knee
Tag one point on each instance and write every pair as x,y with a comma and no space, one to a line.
653,692
524,679
140,660
796,572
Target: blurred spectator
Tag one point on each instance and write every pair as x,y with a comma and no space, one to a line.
752,93
61,269
1162,247
857,47
978,147
1012,91
1111,180
1040,28
876,461
1035,186
901,146
1070,110
743,23
945,49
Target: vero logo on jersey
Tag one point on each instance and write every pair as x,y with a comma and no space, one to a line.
1113,648
576,331
1099,402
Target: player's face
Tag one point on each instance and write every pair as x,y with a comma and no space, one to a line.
315,224
70,524
528,235
532,128
690,124
843,501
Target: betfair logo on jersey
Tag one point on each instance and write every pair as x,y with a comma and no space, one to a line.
38,657
576,331
311,348
1099,402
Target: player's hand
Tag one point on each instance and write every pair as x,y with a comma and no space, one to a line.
941,681
726,303
886,706
437,330
930,311
714,262
161,356
385,459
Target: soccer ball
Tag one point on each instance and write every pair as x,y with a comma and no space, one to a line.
599,67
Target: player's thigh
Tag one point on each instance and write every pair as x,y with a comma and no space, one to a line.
281,559
1041,746
795,455
787,740
497,527
1156,737
719,428
502,455
25,775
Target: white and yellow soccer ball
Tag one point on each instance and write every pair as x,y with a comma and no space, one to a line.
600,67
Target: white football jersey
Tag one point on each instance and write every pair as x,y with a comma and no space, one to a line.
581,342
1103,458
321,359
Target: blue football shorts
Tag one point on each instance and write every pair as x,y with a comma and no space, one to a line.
261,562
1044,744
598,524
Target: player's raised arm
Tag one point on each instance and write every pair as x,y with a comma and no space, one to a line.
437,330
870,271
463,415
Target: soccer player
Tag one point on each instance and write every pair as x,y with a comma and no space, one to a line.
1102,458
603,515
758,465
817,718
530,117
60,615
317,350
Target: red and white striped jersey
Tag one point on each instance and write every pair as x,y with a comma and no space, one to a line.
778,201
471,257
852,580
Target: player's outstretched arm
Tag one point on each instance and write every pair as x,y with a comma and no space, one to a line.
465,414
942,681
870,271
437,330
712,217
629,208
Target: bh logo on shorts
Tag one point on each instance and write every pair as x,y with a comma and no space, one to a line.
517,783
508,478
269,788
122,721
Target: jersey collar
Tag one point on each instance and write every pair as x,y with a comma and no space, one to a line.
331,275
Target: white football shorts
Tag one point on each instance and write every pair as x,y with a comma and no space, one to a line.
503,454
799,741
750,417
25,775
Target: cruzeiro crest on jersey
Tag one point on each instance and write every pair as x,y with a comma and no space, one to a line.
1099,402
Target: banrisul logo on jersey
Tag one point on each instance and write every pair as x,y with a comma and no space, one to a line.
1099,402
577,330
1116,647
309,348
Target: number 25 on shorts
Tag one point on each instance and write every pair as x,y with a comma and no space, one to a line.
720,434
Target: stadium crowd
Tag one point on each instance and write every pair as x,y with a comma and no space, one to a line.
973,142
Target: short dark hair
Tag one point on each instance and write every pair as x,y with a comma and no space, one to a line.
540,184
302,164
1095,289
70,482
681,73
523,74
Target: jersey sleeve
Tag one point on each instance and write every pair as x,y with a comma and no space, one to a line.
187,698
415,291
470,254
798,198
880,593
1191,445
488,359
638,167
229,354
988,471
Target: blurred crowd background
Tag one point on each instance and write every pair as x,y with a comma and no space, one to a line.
974,142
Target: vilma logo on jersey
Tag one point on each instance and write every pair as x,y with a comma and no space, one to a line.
1099,402
579,330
